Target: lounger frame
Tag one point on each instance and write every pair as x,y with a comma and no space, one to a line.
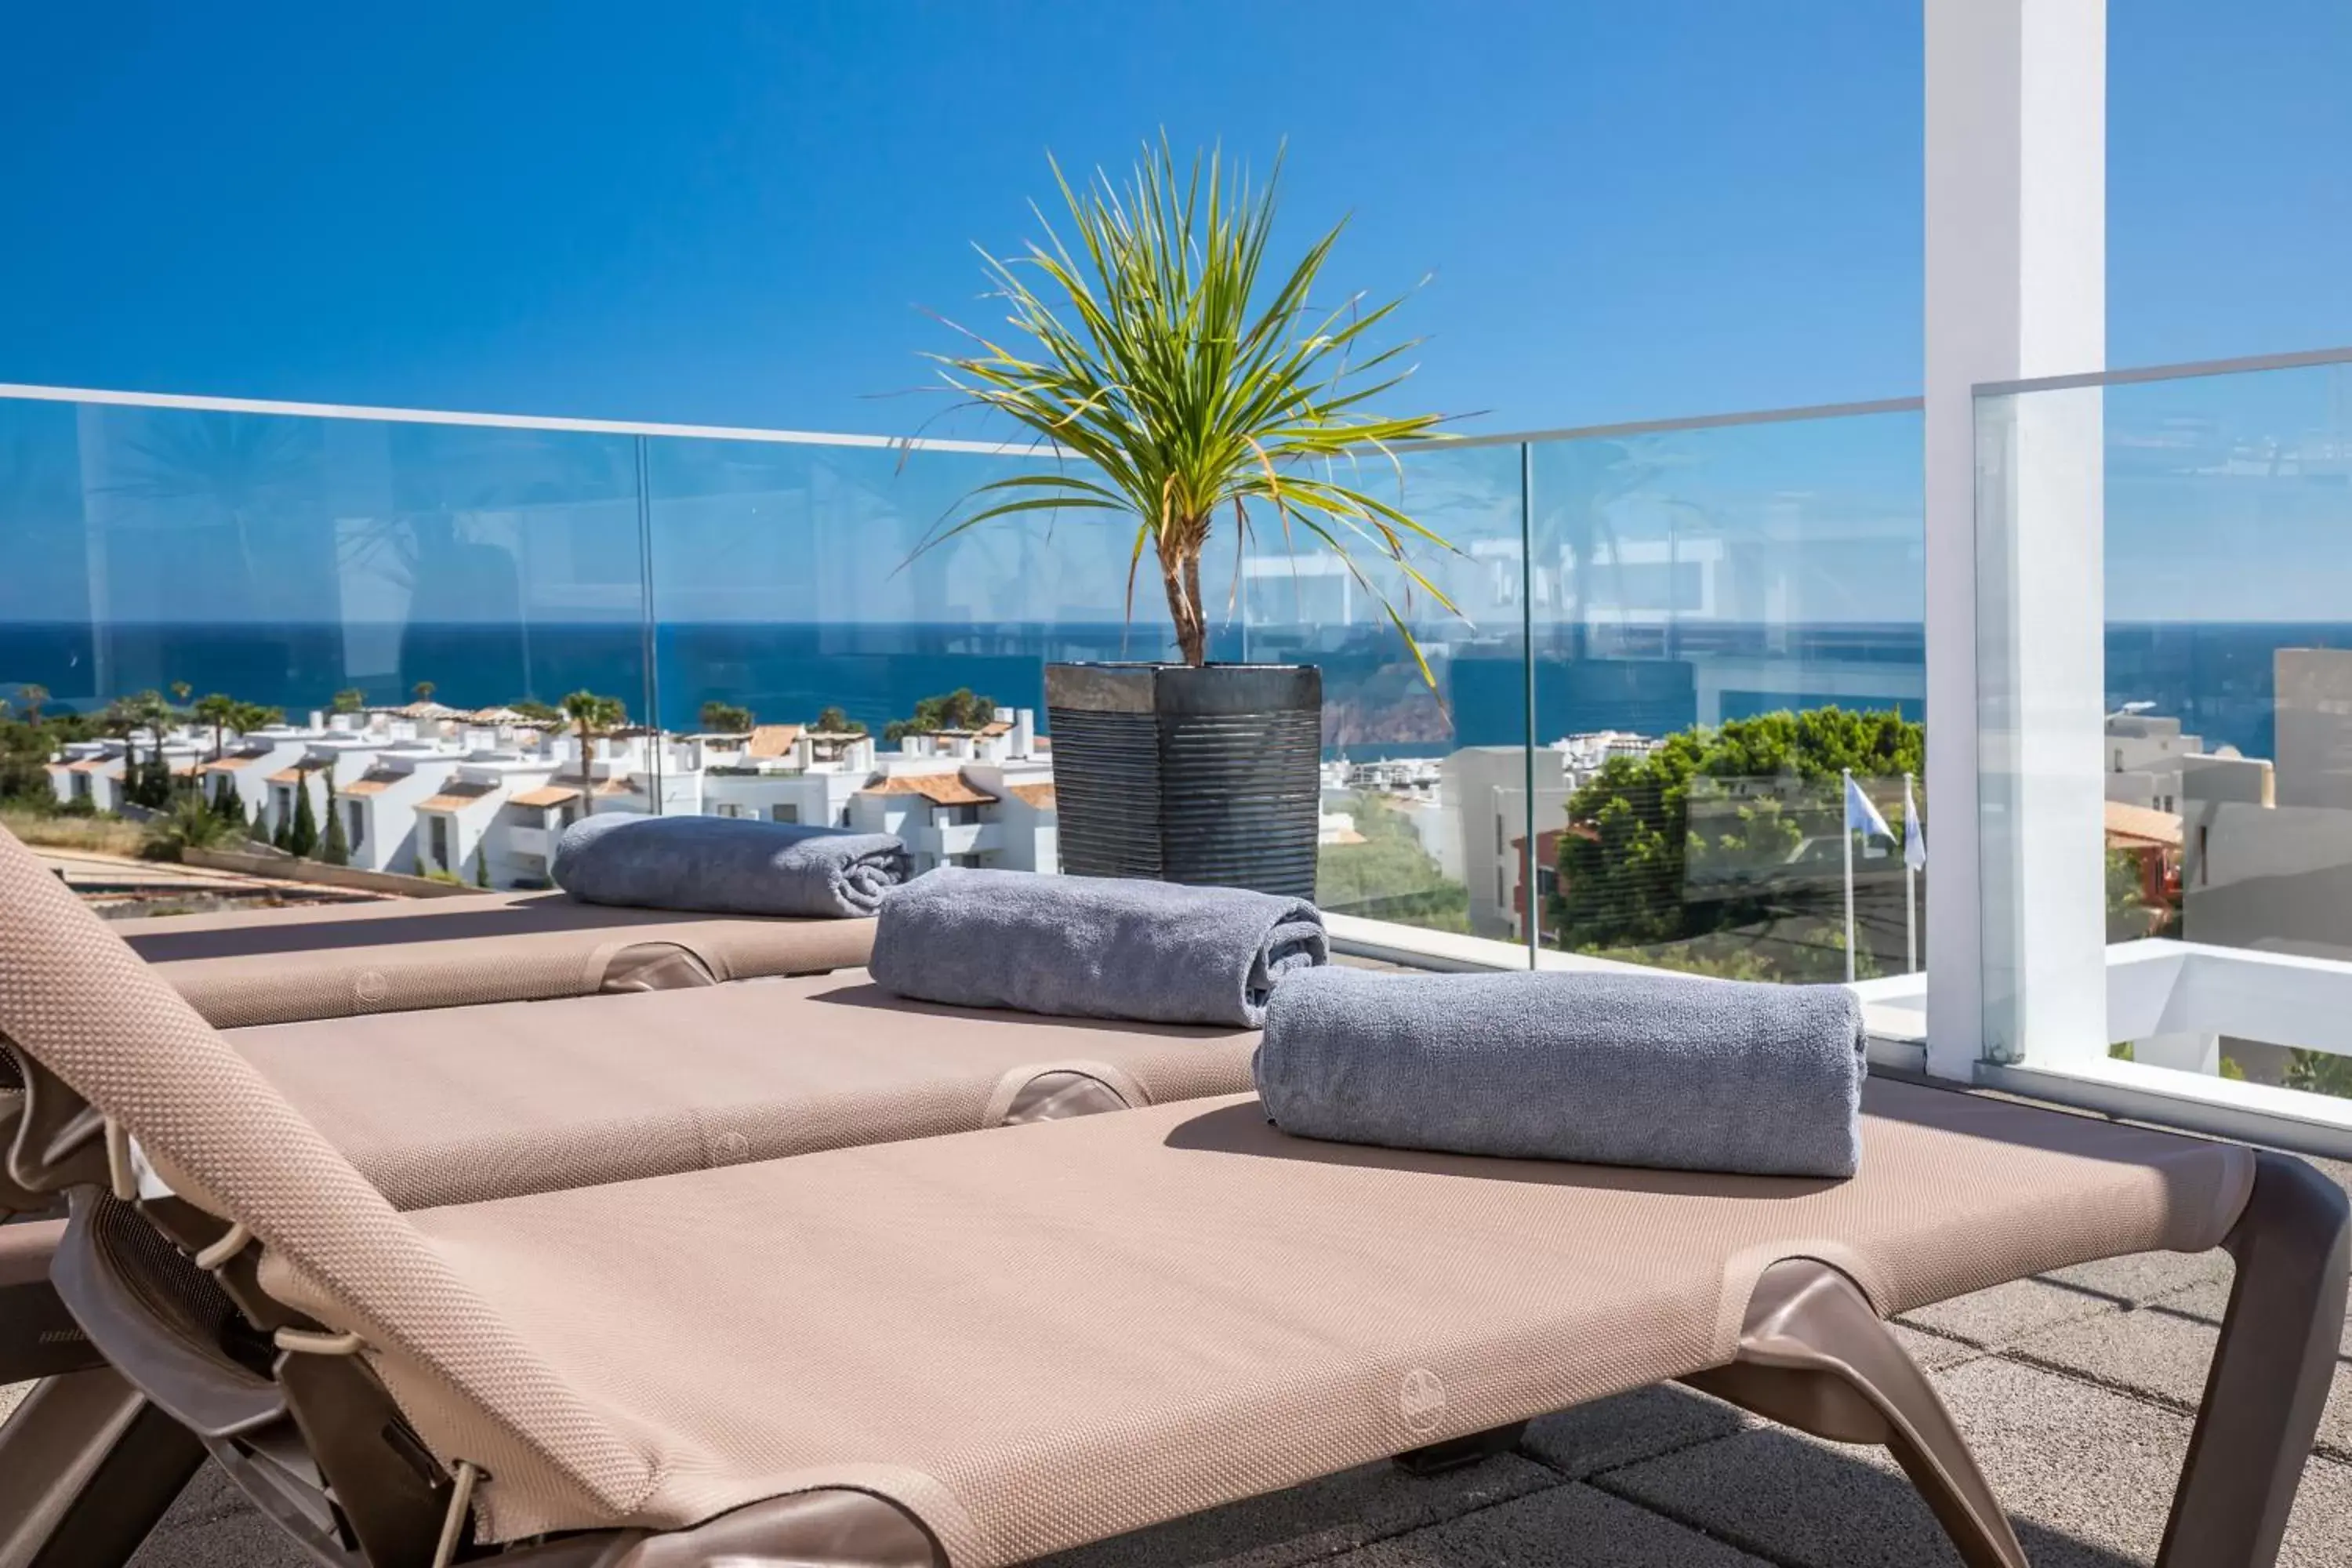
314,1420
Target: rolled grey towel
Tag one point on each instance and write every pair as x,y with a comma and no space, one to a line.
1093,947
1662,1070
727,866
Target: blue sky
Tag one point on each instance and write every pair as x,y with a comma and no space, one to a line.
729,213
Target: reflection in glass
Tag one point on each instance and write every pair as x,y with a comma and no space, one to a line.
1725,620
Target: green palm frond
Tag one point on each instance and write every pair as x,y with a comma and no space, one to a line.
1161,359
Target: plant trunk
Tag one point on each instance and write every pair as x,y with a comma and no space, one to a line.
587,781
1180,575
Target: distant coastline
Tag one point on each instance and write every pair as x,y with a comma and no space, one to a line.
2215,676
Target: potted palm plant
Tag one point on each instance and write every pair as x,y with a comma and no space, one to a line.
1191,387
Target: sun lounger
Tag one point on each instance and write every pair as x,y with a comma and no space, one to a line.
979,1348
497,1101
270,967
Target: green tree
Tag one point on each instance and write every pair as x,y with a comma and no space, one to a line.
957,709
156,783
181,692
24,747
725,717
302,837
251,716
334,845
2320,1072
833,721
1194,386
591,715
30,700
542,712
350,700
1389,876
423,690
481,868
228,804
2129,915
219,710
1720,828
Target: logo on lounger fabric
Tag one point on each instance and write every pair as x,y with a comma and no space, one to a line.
1422,1401
370,987
729,1147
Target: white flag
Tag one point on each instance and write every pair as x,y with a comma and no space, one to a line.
1861,816
1915,832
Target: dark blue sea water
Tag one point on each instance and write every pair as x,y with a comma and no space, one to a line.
2217,678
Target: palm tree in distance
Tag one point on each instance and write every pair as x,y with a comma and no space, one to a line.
591,715
30,698
218,709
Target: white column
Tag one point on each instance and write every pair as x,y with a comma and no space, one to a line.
2015,287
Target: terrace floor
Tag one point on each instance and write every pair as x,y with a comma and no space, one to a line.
2075,1388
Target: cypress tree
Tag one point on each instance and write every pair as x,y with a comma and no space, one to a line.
228,804
283,837
335,847
481,868
303,838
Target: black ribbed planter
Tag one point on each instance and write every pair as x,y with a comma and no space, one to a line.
1207,775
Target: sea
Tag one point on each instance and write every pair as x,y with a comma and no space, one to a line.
2215,677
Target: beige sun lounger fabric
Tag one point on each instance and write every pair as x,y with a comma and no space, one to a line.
1227,1310
270,967
474,1103
1049,1334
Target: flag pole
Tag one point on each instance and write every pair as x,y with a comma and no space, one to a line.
1846,838
1910,882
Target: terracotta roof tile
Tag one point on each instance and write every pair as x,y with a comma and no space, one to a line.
229,764
1040,795
772,741
2139,825
458,796
546,794
939,789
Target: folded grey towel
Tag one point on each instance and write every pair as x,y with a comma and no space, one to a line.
727,865
1662,1069
1095,947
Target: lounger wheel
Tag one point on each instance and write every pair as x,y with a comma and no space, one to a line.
1815,1356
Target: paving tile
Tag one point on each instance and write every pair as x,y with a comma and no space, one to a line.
2210,1304
2086,1474
1995,1318
1629,1428
1569,1526
209,1495
1933,1351
2143,1276
1318,1520
239,1540
2165,1352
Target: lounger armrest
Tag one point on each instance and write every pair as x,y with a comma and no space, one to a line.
38,1337
209,1398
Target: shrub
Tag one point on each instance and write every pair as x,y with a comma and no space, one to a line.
190,824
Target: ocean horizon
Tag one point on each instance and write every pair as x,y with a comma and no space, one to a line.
2215,676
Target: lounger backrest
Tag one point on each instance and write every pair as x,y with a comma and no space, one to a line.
79,1001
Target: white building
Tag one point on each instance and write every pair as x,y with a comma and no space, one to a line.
979,797
2145,752
1486,794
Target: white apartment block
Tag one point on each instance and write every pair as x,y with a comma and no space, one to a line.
981,798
